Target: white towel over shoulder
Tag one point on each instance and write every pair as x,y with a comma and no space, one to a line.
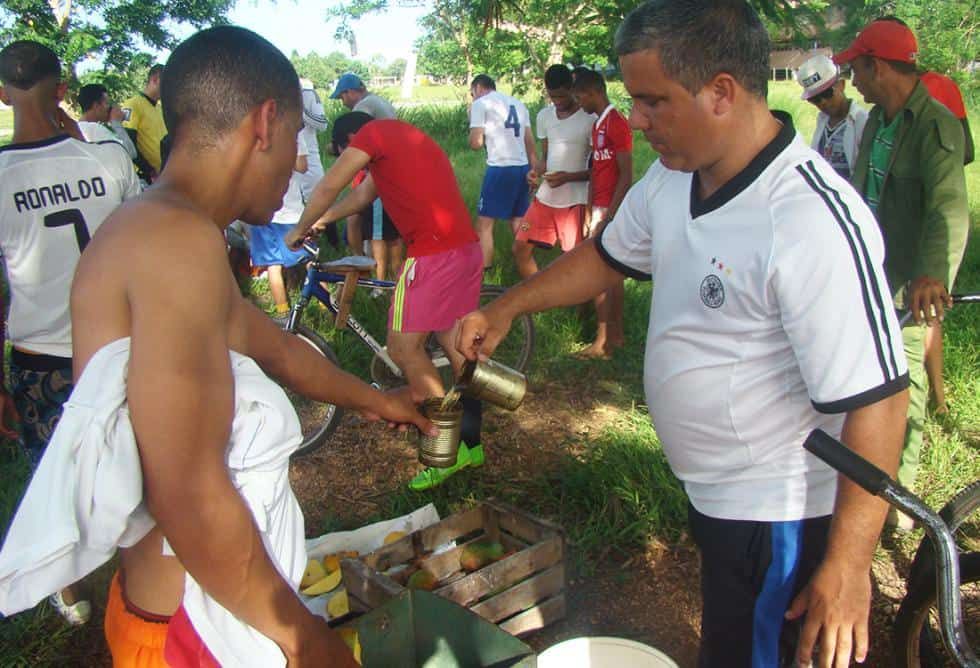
86,498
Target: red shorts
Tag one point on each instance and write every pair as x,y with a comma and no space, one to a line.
546,225
435,290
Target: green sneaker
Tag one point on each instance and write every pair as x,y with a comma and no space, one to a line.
430,477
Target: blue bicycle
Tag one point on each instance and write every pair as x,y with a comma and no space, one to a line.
333,284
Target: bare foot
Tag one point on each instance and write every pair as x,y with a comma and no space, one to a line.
594,351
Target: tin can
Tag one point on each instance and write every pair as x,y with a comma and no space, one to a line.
440,450
494,382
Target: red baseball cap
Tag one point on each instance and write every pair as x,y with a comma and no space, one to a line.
882,39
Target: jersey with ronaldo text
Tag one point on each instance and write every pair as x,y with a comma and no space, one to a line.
505,122
770,317
55,193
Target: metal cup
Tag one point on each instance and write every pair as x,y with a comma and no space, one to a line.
440,450
494,382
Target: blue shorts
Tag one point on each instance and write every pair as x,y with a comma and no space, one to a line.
267,247
505,193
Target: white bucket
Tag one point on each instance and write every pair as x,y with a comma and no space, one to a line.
603,652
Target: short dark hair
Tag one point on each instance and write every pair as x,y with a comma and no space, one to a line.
156,70
892,19
557,76
90,94
25,63
215,77
348,124
586,79
699,39
483,81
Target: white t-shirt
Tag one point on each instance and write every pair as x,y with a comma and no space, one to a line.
376,106
569,146
771,316
97,132
293,202
314,121
55,194
505,122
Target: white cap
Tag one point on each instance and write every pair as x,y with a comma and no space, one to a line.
817,75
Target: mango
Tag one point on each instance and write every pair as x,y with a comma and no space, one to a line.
475,556
339,604
314,573
393,536
331,562
349,636
423,580
328,583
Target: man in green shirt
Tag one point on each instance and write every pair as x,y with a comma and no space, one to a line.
910,170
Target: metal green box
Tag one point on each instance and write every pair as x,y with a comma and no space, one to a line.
418,628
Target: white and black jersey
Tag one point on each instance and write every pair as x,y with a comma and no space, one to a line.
770,317
55,193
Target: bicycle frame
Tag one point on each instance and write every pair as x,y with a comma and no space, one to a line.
877,482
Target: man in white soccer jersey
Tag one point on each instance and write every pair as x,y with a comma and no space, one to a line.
101,120
502,124
770,317
558,210
55,192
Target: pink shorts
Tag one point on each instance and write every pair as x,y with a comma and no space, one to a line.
433,291
546,225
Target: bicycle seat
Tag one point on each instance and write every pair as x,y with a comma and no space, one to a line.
352,263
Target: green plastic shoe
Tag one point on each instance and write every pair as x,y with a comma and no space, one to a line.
432,477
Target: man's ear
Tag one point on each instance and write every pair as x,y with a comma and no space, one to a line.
60,90
3,95
264,120
722,90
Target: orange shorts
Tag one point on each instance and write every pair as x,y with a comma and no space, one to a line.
136,639
547,225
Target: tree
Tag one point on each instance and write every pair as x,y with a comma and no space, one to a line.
116,31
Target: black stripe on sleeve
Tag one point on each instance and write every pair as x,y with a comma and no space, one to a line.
880,302
624,269
866,398
863,279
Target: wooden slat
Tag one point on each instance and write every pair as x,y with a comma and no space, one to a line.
369,587
451,528
445,564
537,617
524,595
506,508
505,572
401,551
511,542
491,522
525,526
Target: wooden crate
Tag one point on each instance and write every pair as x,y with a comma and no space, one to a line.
521,593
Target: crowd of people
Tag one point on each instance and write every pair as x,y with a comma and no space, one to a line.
776,267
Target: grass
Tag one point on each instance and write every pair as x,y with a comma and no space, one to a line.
619,493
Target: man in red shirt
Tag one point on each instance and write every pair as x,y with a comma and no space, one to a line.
440,280
612,176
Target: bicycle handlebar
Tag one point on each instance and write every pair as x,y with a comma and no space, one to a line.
877,482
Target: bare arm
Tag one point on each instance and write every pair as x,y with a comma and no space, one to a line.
532,150
476,138
837,599
573,278
624,161
302,164
181,404
8,413
341,173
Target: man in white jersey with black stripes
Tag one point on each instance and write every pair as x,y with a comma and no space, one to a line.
770,317
502,124
55,191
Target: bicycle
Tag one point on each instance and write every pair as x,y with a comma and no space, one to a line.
952,569
319,420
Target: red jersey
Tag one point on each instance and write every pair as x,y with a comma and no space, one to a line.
946,91
611,134
417,186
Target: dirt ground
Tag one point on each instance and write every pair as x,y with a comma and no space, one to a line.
651,596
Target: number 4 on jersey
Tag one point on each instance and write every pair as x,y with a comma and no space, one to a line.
513,121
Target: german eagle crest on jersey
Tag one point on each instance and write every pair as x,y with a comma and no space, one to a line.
712,291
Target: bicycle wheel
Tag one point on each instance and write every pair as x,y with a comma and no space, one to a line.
318,420
918,640
957,514
517,347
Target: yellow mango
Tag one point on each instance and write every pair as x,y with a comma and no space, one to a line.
314,573
338,605
393,536
328,583
350,638
331,562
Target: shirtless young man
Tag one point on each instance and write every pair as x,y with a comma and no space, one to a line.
185,381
